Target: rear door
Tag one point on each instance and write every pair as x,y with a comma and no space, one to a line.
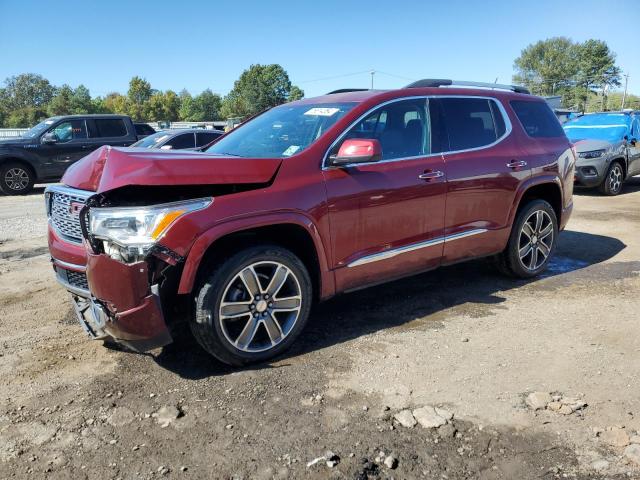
387,217
108,131
484,167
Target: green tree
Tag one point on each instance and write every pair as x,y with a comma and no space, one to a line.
27,90
597,70
547,67
296,93
116,103
81,100
139,94
162,106
187,106
258,88
62,102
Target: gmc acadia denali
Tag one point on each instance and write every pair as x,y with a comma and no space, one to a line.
304,201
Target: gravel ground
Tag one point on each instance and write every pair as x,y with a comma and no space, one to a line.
531,380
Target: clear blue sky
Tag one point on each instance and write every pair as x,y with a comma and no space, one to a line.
198,45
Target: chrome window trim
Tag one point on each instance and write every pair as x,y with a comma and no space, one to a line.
375,257
503,112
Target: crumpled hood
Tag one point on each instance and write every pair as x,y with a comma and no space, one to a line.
590,145
108,168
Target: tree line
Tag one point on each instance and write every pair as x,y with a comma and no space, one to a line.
28,98
583,73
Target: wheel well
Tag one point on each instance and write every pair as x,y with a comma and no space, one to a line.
26,164
546,191
290,236
623,164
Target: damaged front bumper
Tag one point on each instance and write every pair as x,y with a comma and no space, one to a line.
116,301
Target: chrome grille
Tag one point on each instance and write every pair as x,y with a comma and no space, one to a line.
64,218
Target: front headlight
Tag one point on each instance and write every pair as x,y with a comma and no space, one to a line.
136,229
592,154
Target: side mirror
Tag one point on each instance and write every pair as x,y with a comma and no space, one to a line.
49,137
633,141
357,150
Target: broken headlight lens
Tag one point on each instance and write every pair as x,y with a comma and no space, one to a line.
133,230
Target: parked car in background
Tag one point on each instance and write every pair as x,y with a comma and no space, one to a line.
143,130
188,139
302,202
43,153
608,150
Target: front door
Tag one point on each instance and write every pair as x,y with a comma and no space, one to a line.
633,148
70,145
387,217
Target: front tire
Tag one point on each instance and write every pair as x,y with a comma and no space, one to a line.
612,184
16,179
532,241
253,305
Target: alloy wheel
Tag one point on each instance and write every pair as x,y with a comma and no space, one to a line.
16,178
536,240
615,178
260,306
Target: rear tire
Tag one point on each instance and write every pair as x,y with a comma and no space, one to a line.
16,178
532,241
252,306
612,183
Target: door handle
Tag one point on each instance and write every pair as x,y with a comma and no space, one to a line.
517,164
431,175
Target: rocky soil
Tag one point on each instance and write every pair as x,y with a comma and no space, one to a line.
454,374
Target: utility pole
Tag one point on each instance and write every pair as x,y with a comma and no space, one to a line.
624,95
372,72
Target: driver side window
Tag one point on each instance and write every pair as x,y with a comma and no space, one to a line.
70,130
400,127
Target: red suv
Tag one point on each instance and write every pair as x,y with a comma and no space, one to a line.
304,201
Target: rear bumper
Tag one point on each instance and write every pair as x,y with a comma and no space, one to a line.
112,300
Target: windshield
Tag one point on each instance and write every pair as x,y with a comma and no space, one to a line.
38,129
282,131
611,127
152,140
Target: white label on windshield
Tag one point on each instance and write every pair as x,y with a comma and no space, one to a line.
291,150
322,112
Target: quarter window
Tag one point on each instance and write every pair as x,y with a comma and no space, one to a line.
537,119
70,130
471,122
400,127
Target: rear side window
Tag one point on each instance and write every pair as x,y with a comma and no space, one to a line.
203,138
107,127
181,141
537,119
471,122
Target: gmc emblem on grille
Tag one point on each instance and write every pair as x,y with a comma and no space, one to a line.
75,207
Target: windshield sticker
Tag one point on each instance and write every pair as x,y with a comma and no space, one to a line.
291,150
322,112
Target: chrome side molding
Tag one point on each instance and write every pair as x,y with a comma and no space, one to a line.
414,246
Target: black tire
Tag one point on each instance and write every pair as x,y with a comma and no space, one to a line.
223,283
510,261
16,178
612,183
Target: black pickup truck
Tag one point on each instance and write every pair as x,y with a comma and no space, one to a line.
43,153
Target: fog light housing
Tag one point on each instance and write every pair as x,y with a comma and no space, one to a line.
589,171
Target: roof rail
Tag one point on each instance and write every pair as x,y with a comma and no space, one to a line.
441,82
346,90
